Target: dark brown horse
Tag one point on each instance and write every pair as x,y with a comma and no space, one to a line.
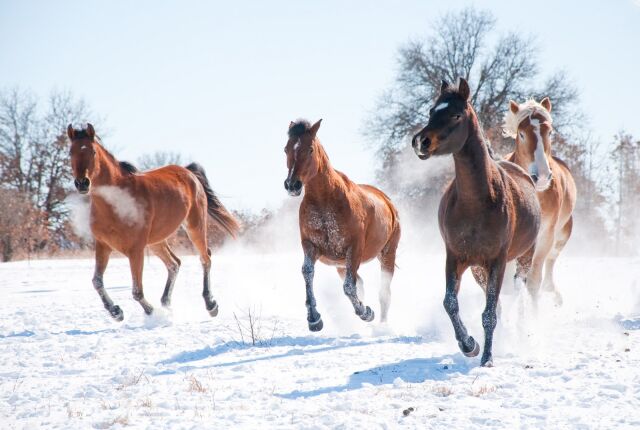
488,215
341,223
131,209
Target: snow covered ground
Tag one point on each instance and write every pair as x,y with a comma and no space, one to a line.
66,364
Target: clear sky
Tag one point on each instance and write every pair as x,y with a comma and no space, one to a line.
219,81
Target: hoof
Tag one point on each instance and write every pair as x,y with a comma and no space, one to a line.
486,361
558,299
166,303
213,309
368,314
116,313
471,352
316,325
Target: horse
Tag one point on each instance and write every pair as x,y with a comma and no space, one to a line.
489,213
531,124
131,210
341,223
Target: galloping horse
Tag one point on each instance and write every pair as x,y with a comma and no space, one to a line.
530,124
131,209
341,223
488,215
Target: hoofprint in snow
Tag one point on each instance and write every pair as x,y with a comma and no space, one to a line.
66,364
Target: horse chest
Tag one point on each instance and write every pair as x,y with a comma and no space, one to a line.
324,229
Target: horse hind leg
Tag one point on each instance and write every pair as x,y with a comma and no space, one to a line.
561,240
172,263
197,230
387,259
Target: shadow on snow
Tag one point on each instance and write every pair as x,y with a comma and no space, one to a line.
324,344
413,371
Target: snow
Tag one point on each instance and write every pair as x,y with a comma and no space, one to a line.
66,364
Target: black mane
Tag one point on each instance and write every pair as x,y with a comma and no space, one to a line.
298,128
128,167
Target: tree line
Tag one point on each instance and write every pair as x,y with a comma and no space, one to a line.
35,172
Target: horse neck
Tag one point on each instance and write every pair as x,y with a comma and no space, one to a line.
108,169
326,180
474,167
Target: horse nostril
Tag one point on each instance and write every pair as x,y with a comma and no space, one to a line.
534,177
550,177
286,184
297,185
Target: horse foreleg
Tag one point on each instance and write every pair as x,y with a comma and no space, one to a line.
350,287
342,272
534,278
172,263
387,259
314,319
136,262
489,318
482,279
103,252
561,240
453,272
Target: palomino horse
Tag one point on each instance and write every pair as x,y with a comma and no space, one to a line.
341,223
488,215
131,209
530,124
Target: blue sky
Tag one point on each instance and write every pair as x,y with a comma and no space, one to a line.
220,81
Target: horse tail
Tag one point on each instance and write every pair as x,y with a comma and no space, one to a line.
215,209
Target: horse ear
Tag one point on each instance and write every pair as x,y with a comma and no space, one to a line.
90,131
546,103
70,131
315,127
444,86
291,123
513,106
463,89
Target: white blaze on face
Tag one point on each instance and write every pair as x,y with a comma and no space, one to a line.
440,107
123,203
540,165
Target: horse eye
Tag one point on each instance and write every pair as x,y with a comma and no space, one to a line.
455,116
521,135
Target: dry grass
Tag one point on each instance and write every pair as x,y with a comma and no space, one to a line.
442,390
74,413
195,385
482,390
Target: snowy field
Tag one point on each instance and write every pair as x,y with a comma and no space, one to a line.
66,364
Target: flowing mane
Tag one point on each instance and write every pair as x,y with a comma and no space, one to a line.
513,120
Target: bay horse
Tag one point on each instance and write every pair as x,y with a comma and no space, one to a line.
341,223
531,124
488,215
131,209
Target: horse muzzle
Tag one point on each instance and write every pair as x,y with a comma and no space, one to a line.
542,184
82,185
421,146
293,187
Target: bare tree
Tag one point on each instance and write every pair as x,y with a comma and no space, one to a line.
34,156
159,159
459,48
626,161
